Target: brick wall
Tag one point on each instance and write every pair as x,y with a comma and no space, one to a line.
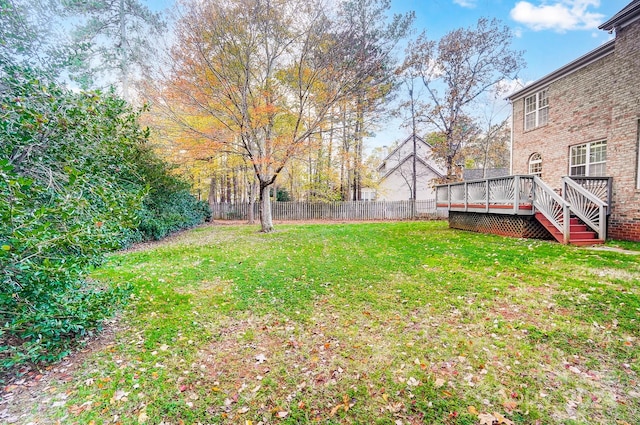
598,102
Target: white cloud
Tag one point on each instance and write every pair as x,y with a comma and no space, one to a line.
505,87
559,15
466,3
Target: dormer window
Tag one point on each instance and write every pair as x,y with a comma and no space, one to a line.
536,110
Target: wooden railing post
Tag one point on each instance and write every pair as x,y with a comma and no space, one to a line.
534,189
466,197
566,225
602,228
486,196
516,194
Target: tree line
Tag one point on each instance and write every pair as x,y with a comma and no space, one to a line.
260,97
257,97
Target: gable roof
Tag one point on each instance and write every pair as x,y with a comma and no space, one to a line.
405,141
626,16
405,159
587,59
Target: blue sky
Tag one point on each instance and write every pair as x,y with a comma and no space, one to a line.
551,33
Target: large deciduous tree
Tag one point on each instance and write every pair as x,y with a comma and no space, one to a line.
455,71
264,75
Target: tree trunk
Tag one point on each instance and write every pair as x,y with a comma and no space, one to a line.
211,198
266,222
229,186
359,135
252,201
124,66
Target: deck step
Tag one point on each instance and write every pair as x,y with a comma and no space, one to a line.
586,242
578,232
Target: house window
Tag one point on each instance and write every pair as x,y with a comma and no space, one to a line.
638,161
535,164
589,159
536,110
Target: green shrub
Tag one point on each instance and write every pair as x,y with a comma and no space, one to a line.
46,247
77,179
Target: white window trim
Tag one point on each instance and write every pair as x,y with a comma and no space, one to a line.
587,164
638,159
535,161
537,109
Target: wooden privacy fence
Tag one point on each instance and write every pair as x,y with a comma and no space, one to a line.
349,210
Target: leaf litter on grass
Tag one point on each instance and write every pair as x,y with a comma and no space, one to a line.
454,328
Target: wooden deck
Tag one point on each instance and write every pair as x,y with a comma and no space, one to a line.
503,208
519,199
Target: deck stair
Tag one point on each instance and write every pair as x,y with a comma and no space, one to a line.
574,214
579,233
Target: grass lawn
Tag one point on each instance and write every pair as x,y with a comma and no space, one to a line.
369,323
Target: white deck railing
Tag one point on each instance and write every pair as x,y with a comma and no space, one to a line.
504,195
526,195
552,206
589,207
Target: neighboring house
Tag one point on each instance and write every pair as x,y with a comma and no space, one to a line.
584,120
396,172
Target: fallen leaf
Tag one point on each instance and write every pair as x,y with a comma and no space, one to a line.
120,396
261,358
142,417
282,414
335,409
502,420
486,419
472,410
509,405
243,410
413,382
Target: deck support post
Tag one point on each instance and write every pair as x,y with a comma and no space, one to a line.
516,194
486,196
466,197
566,225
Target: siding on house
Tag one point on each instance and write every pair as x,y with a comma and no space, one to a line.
396,172
592,99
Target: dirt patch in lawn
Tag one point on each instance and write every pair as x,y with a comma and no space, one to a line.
28,394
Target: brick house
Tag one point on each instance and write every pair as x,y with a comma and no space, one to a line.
583,120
